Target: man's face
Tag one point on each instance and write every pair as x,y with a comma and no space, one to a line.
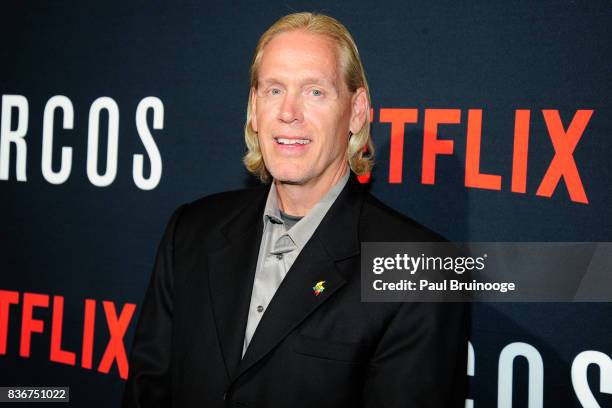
302,109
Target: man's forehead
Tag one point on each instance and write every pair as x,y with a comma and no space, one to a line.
299,55
301,39
284,77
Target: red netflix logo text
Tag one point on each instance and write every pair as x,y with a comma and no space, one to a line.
116,323
562,165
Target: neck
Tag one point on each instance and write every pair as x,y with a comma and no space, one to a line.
298,199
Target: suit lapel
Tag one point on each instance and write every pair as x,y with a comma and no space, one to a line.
335,239
293,301
231,273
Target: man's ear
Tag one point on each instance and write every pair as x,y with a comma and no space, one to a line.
253,112
360,110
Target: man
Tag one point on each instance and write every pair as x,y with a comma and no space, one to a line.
255,296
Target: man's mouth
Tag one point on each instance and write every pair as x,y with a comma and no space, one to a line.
286,141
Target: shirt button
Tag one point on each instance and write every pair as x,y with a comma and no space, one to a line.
279,256
260,308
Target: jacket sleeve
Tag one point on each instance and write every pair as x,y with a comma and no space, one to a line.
421,360
148,383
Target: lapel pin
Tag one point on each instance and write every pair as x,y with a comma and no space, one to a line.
318,288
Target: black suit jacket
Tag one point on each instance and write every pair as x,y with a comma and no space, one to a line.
330,350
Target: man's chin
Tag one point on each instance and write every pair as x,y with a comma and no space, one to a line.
290,179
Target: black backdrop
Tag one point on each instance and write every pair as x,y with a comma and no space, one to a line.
81,241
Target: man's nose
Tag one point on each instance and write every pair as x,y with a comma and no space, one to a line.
291,109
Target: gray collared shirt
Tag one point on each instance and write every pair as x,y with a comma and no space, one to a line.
279,248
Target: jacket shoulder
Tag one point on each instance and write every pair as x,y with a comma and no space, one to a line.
197,220
380,223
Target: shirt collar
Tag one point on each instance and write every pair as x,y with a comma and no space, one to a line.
301,232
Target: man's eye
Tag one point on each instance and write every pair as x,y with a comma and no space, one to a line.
317,92
275,91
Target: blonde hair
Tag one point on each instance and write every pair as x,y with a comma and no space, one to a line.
359,160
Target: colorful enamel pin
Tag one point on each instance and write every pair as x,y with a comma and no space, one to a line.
318,288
